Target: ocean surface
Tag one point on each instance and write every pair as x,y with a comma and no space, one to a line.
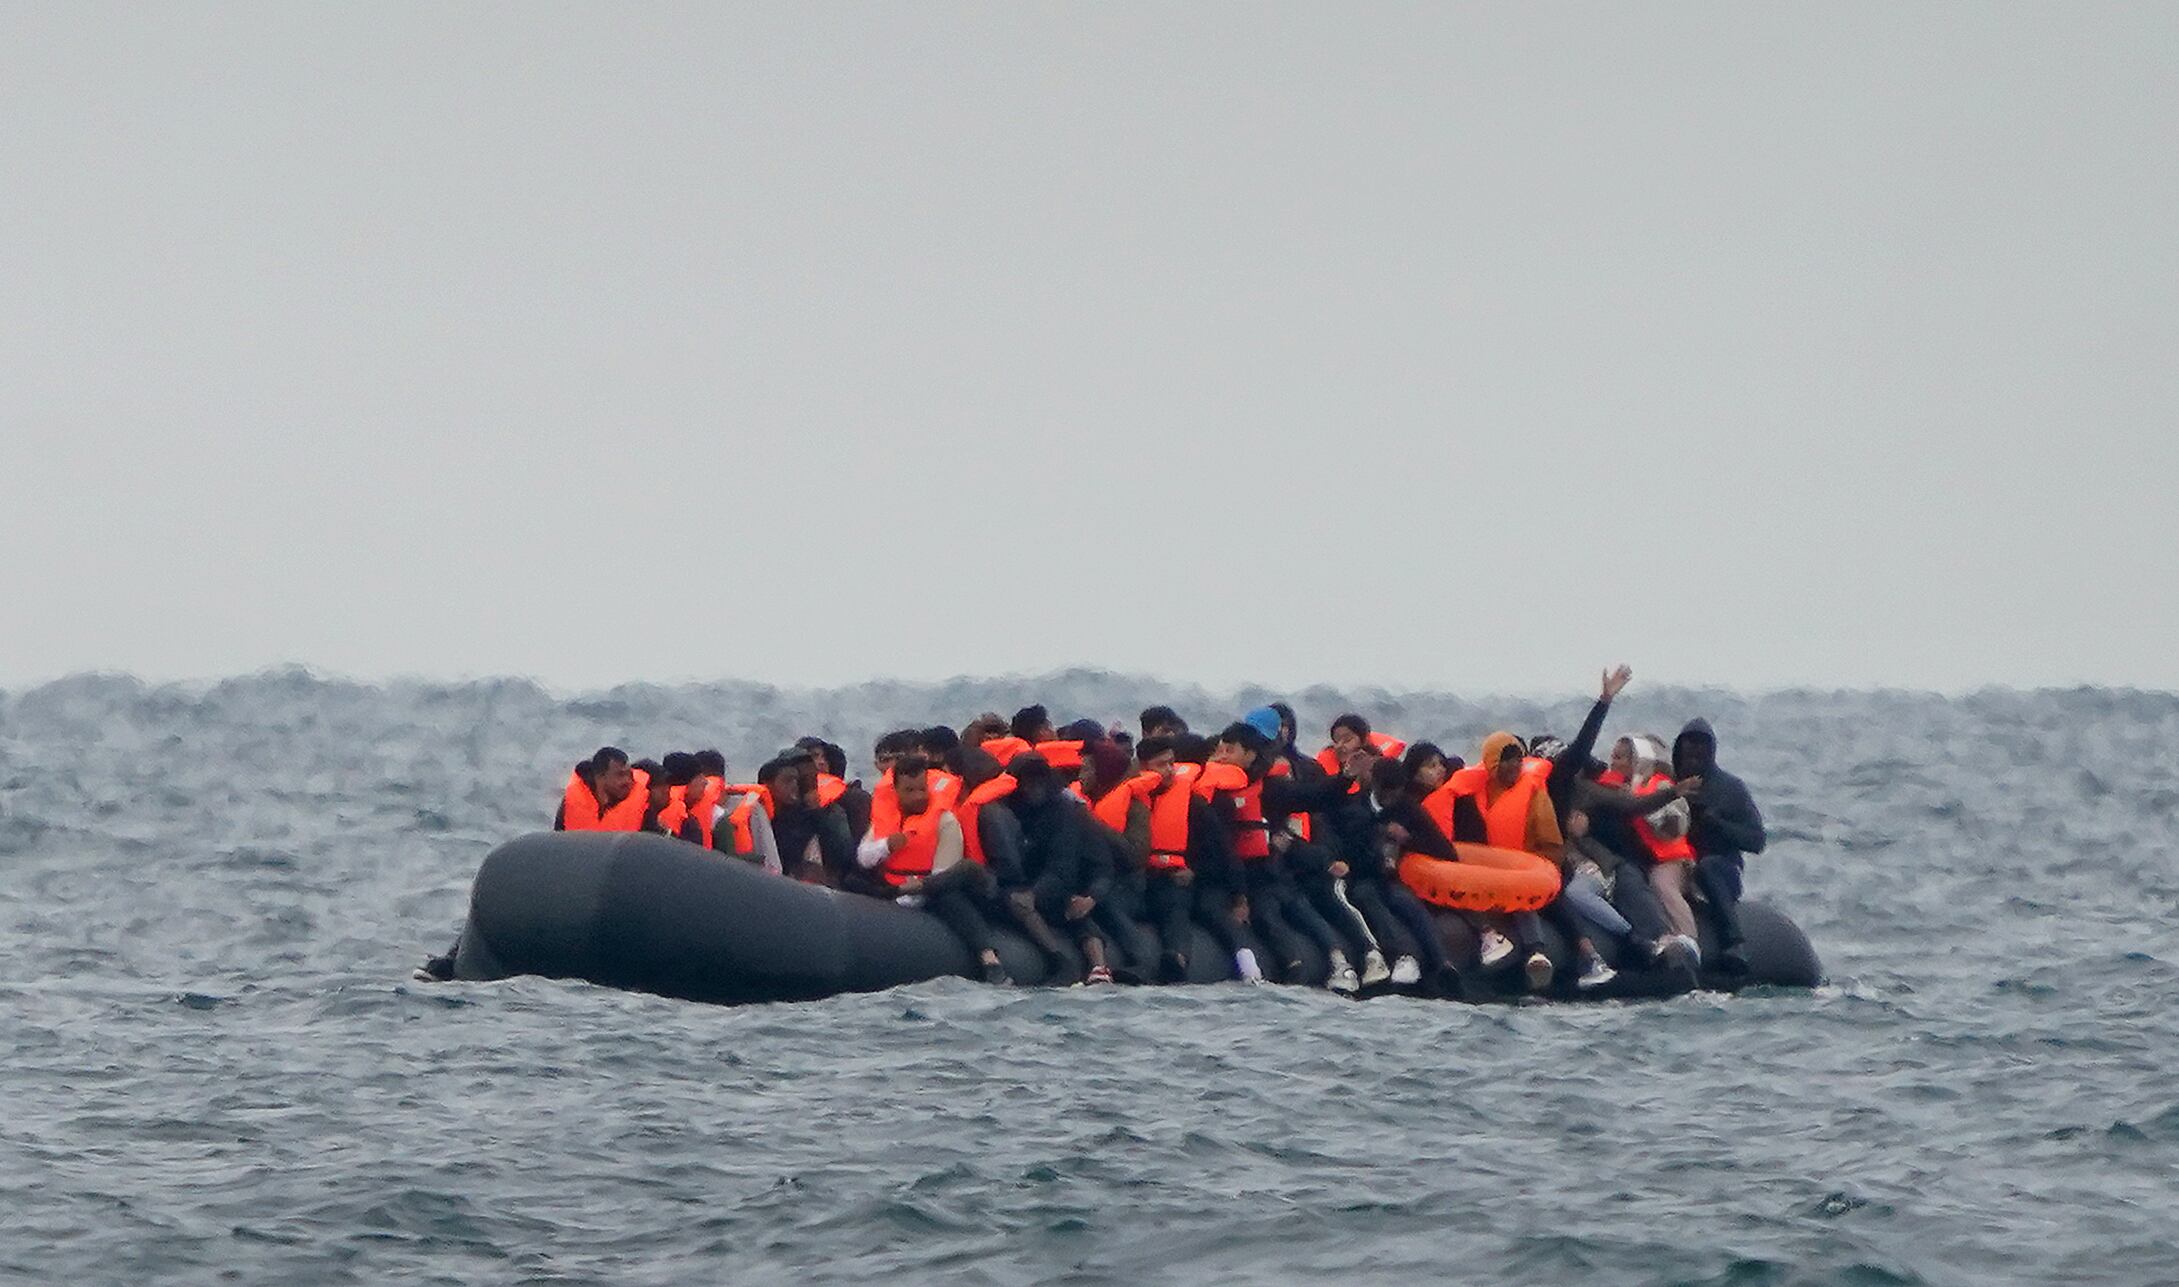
214,1067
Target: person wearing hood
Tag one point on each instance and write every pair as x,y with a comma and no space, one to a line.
1256,807
1068,868
1725,826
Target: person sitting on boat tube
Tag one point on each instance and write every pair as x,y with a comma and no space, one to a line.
604,793
1509,789
1373,827
916,852
1068,866
1640,764
1725,824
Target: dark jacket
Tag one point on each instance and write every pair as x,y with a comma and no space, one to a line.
794,826
1060,855
998,830
1726,820
1567,766
1359,828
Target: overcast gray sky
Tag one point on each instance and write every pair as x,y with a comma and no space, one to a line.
1420,345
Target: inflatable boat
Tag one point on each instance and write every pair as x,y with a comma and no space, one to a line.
651,914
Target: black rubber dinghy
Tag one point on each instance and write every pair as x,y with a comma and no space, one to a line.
652,914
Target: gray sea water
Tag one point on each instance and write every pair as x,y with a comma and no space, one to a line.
214,1069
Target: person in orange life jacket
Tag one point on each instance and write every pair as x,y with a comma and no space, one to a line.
892,746
983,728
1518,815
1220,893
741,827
603,794
1605,850
1296,788
658,793
918,859
1117,799
1163,721
1724,825
1640,763
676,770
815,845
997,844
833,786
1257,816
1068,865
1184,881
1374,827
1349,733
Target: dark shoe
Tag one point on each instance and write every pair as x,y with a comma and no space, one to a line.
1174,967
995,972
1447,983
1732,960
439,969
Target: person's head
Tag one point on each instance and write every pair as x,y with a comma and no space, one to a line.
781,778
1350,733
711,763
1162,721
1239,743
1266,721
1104,765
912,783
940,745
830,758
655,774
1546,747
1288,725
679,768
1501,758
1032,724
892,746
1036,781
1649,756
978,766
611,776
1387,780
1192,748
983,728
1155,754
1084,731
1427,767
1694,752
1622,761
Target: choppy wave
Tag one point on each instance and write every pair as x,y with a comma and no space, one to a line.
215,1067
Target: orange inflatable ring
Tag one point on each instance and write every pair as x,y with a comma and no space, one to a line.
1484,880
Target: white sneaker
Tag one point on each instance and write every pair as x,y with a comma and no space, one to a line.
1495,947
1693,949
1595,974
1538,971
1374,970
1406,971
1244,964
1342,978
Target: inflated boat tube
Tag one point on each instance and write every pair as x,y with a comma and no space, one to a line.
1484,880
651,914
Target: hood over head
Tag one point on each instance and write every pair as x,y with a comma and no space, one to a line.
1495,745
1696,730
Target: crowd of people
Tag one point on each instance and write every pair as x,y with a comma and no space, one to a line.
1124,843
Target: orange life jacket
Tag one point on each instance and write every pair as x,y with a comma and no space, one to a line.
915,857
1112,807
1680,850
1004,748
1061,755
703,811
885,805
742,817
1505,816
1251,834
971,811
579,806
1390,748
1169,819
829,789
676,810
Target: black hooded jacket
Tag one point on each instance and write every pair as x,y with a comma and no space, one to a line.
1726,820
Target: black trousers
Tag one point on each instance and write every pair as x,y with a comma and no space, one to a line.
1718,876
